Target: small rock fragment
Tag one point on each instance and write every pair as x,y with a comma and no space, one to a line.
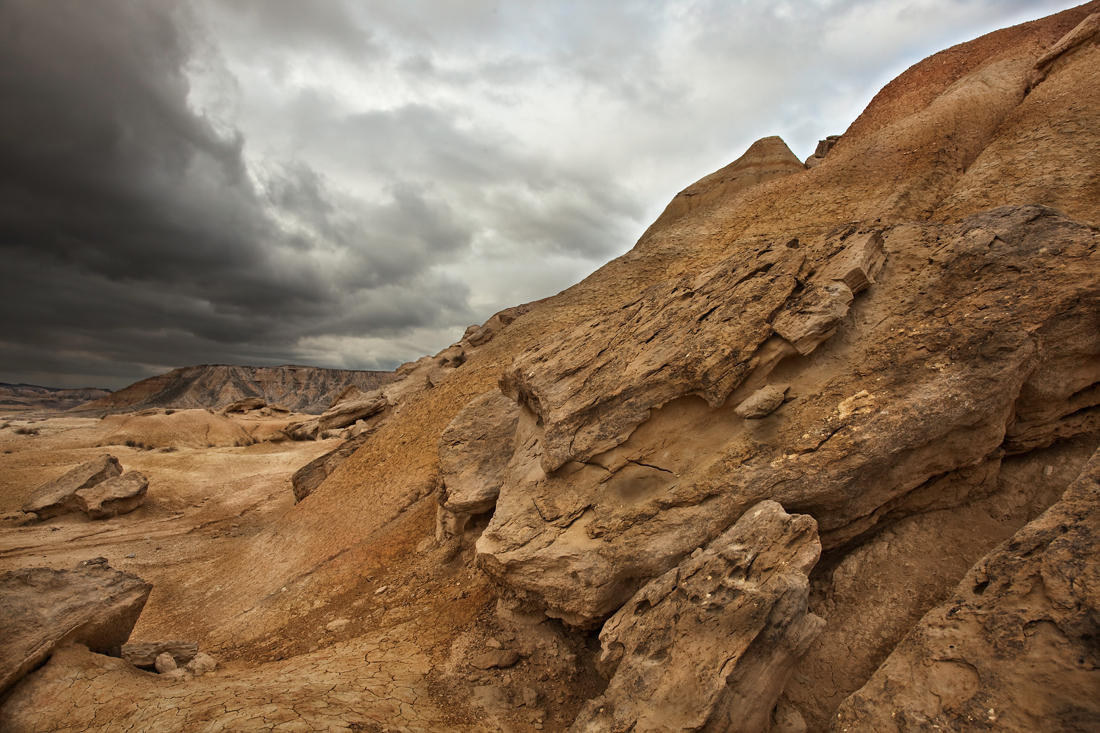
164,663
762,402
498,659
201,664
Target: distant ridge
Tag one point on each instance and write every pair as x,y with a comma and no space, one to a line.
34,397
298,388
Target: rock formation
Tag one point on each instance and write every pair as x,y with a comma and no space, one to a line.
214,386
44,609
60,495
890,360
709,645
117,495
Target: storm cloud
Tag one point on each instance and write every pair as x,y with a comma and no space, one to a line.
351,184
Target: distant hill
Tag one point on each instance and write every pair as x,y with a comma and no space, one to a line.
26,397
298,388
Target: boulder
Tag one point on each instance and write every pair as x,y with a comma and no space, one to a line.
201,664
1014,648
473,452
43,609
144,653
59,496
709,645
116,495
762,402
164,663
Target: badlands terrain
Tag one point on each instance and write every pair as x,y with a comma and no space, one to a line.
818,453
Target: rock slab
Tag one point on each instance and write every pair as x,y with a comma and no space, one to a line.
116,495
709,645
59,496
43,609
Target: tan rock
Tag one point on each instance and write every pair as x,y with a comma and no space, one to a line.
762,402
116,495
202,664
710,644
59,496
164,663
44,609
1014,647
473,452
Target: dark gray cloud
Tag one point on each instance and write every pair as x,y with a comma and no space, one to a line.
351,183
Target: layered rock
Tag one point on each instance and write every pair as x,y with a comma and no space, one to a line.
44,609
709,645
60,495
116,495
1015,647
873,432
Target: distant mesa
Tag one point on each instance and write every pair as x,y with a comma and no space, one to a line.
217,386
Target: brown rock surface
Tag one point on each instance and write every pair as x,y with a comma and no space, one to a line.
709,645
60,495
1015,647
116,495
44,609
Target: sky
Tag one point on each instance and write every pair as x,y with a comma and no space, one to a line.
352,183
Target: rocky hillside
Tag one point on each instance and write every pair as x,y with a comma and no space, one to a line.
31,397
297,388
819,453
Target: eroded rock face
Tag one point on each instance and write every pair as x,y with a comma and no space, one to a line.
116,495
59,496
1015,647
473,453
863,442
709,644
43,609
